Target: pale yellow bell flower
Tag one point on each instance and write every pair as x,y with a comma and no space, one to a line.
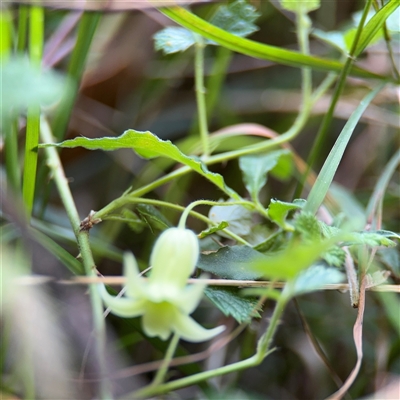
164,300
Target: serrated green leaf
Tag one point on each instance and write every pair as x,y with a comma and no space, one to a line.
222,225
288,263
255,49
237,18
334,257
372,238
297,6
278,211
173,39
153,217
23,85
255,169
325,177
147,145
231,303
238,217
308,226
313,279
231,262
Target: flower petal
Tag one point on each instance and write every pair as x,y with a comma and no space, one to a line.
122,306
135,283
189,298
174,257
188,329
157,320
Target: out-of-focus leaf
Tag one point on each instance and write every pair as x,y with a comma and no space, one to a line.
238,217
230,302
391,258
255,169
372,238
147,145
325,177
284,167
23,86
297,6
232,262
349,205
173,39
222,225
237,18
333,38
288,263
153,217
278,211
313,279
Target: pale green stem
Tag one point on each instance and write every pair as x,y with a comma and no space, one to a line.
82,237
263,350
200,94
160,376
201,217
303,29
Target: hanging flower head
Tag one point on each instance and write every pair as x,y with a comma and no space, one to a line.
164,299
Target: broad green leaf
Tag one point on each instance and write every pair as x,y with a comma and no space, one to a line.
313,279
153,217
238,217
325,177
147,145
237,18
255,169
278,211
284,168
288,263
173,39
297,6
230,302
333,38
222,225
232,262
375,24
255,49
23,85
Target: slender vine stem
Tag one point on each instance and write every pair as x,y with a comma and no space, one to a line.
188,210
160,376
263,350
200,94
82,237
